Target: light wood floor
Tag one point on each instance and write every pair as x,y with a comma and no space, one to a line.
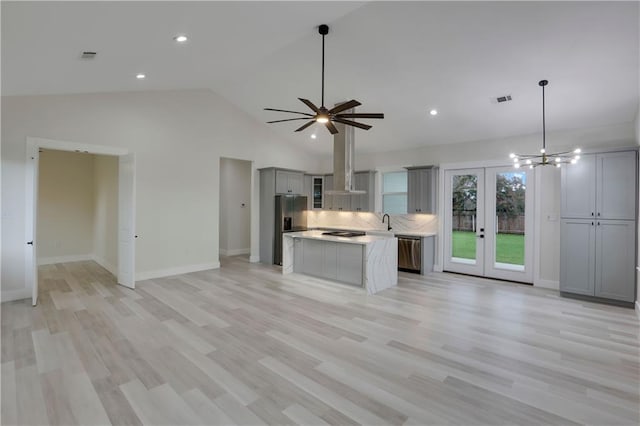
245,345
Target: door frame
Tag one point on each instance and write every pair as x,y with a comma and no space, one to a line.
33,146
476,268
537,220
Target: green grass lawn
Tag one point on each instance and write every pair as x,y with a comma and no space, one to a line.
509,247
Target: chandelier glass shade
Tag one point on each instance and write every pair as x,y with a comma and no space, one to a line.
545,158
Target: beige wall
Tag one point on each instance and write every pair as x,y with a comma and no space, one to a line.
65,206
178,138
105,220
235,220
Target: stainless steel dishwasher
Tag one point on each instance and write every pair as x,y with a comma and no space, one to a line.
409,254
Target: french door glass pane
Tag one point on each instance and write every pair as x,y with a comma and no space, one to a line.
463,220
510,219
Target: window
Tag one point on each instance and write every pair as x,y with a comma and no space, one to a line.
394,192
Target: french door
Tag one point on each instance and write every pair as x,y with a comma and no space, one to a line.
488,222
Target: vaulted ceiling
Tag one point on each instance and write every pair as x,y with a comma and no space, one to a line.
400,58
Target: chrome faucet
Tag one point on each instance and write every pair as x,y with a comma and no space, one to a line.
388,221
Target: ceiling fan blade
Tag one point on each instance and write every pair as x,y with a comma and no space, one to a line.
361,115
351,123
304,126
342,107
310,104
288,119
292,112
331,127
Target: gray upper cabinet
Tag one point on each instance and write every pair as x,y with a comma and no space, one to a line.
422,189
600,186
579,189
363,181
616,185
328,186
289,182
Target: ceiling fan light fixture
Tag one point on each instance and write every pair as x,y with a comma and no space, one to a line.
323,115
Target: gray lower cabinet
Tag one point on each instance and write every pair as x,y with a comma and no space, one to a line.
577,251
329,260
615,259
598,258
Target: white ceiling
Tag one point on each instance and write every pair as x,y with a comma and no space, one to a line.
400,58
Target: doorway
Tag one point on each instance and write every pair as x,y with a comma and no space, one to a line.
235,207
125,212
488,223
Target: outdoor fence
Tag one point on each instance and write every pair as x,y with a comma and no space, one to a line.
506,224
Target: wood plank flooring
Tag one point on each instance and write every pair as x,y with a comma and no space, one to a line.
246,345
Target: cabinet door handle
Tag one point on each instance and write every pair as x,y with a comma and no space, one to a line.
591,223
598,223
591,213
598,214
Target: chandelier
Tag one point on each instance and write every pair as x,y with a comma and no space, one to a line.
545,158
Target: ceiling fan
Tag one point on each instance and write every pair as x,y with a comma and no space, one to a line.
328,116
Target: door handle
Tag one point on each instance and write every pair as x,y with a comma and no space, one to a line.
480,236
30,243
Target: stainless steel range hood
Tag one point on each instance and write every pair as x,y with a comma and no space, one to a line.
344,161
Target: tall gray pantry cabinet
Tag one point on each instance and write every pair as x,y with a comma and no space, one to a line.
598,226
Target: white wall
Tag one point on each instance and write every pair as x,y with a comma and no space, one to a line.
65,207
105,220
235,206
178,138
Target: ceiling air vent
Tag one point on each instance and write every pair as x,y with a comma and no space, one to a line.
504,98
88,55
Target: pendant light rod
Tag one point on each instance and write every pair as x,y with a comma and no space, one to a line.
323,30
543,83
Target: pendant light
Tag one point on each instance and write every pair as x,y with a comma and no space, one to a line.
545,158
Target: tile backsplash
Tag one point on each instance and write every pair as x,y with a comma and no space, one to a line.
361,220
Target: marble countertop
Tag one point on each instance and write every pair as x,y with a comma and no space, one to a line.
382,231
317,235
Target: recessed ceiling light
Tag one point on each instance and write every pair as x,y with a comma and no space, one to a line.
313,136
433,112
181,38
141,76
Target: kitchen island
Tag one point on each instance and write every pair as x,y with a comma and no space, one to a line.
367,261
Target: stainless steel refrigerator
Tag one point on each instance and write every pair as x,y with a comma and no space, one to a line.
291,216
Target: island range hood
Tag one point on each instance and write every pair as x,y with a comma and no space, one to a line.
344,161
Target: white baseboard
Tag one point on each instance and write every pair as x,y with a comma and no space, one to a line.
554,285
637,308
106,265
437,267
149,275
254,259
234,252
64,259
19,294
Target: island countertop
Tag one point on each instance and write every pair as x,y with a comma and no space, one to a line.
318,235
